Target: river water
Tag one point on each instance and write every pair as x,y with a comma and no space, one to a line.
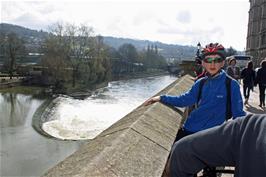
24,152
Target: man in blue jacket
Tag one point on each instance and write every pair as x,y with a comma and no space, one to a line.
211,109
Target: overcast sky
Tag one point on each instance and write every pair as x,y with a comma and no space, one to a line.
184,22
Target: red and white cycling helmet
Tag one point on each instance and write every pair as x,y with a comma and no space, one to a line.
213,48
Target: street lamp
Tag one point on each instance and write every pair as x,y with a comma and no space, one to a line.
197,57
198,50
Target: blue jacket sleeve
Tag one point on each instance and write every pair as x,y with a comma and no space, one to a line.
236,100
186,99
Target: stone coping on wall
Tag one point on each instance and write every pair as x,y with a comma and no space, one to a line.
136,145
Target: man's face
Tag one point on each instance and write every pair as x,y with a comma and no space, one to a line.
213,63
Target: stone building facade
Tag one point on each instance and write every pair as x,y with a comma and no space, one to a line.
256,37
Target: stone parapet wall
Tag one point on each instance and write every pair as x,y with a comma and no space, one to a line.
136,145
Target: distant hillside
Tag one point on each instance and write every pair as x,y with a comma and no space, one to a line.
35,38
22,31
167,50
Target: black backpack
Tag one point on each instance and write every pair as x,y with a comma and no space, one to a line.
228,112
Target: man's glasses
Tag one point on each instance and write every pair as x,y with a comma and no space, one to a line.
210,60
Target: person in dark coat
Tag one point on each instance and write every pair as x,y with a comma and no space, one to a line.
248,76
261,81
240,143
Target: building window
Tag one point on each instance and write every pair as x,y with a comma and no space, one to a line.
263,21
264,10
263,38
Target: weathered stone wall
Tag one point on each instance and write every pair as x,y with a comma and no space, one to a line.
256,35
136,145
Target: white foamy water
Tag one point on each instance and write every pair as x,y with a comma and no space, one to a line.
84,119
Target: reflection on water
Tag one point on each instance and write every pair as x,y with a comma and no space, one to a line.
85,119
23,152
15,109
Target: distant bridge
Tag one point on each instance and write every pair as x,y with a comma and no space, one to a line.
173,69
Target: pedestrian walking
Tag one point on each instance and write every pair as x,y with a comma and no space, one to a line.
261,81
248,76
233,70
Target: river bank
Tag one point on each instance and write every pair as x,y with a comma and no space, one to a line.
79,91
82,92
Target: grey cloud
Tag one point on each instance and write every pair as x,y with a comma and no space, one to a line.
170,30
142,18
193,36
34,2
184,17
215,30
43,7
31,21
28,14
115,25
162,22
48,9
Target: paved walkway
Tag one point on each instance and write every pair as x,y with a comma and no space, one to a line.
253,105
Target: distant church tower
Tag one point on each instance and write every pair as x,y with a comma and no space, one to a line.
256,37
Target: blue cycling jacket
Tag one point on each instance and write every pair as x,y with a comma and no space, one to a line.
212,105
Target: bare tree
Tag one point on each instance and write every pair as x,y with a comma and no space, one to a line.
74,49
78,39
13,48
55,55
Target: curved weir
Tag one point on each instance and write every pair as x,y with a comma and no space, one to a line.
73,119
136,145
